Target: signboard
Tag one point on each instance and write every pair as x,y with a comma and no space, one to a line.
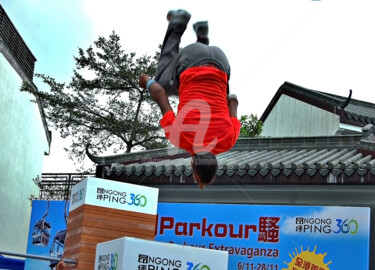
259,237
132,253
47,232
255,236
114,194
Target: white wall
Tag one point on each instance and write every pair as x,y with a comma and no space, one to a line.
293,118
23,144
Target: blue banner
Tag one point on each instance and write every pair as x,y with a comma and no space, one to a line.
259,237
47,232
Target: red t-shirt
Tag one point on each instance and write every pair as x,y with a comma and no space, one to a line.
203,122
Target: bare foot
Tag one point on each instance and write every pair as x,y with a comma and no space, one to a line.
143,79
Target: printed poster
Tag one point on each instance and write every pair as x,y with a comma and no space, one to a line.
255,236
47,233
259,237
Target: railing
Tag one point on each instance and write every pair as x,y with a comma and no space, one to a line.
57,186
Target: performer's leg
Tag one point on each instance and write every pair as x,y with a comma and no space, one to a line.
201,53
201,29
178,21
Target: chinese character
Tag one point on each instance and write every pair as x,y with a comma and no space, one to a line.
268,229
142,258
299,228
306,265
299,262
299,220
262,237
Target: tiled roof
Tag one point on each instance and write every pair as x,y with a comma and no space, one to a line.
351,111
318,160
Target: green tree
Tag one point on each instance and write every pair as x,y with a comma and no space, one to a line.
251,126
103,104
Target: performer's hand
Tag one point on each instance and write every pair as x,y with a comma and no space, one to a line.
61,264
143,79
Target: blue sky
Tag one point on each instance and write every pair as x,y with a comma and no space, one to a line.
324,45
53,31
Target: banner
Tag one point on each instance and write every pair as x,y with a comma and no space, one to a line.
260,237
114,194
255,236
47,232
131,254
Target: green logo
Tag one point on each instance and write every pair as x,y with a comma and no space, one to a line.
114,261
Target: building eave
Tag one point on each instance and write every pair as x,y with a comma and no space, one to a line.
339,105
254,161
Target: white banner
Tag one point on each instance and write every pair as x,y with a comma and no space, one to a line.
114,194
131,253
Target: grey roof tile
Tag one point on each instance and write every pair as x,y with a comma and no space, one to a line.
318,160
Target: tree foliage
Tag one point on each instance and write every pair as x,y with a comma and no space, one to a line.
251,126
103,104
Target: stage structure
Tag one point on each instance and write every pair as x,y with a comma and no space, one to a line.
102,210
132,253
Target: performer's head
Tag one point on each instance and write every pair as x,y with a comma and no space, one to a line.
204,165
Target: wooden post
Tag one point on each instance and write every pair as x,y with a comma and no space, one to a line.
103,210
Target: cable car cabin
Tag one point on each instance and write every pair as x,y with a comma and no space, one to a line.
57,247
41,233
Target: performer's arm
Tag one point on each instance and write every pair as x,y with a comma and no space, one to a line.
157,92
232,105
159,95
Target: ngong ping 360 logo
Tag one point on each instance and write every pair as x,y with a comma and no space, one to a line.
147,262
318,225
108,262
77,196
199,266
121,197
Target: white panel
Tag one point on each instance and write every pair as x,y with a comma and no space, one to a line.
131,253
293,118
114,194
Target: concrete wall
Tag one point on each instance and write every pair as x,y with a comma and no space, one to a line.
23,144
292,118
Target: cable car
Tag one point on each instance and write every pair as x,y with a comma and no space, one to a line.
42,231
58,243
57,247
